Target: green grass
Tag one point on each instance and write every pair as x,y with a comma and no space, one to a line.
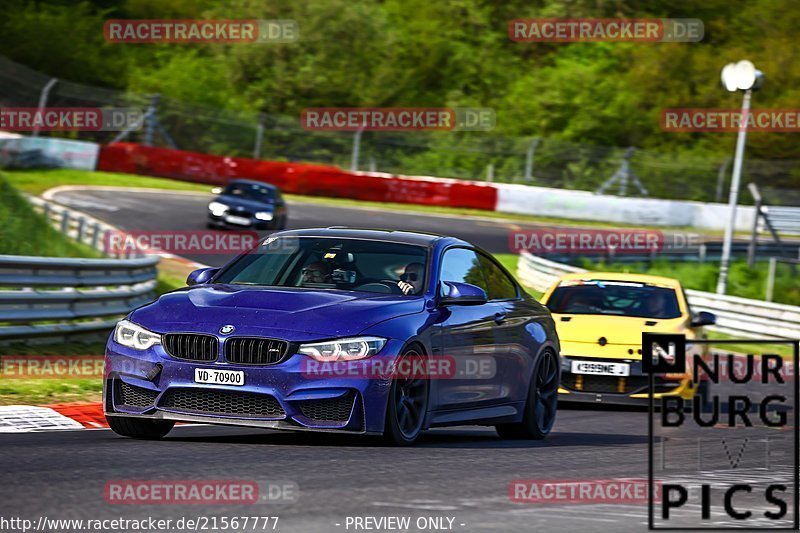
46,391
50,390
38,181
510,261
783,349
742,280
23,231
168,282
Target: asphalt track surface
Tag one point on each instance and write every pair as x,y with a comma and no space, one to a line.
460,473
164,211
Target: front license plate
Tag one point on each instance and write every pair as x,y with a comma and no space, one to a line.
219,377
599,368
241,221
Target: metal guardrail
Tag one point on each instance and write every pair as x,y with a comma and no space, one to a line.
53,296
705,252
735,315
783,219
58,297
79,226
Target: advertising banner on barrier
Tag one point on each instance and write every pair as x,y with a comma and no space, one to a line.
47,152
297,178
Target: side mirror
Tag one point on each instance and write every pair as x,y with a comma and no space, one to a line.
217,190
201,275
704,318
457,293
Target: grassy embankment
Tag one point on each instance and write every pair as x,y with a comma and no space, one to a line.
25,232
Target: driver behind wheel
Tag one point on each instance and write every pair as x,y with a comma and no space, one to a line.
316,272
411,279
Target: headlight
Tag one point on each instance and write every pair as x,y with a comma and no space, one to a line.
343,349
263,215
133,336
217,208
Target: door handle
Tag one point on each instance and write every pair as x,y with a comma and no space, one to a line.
499,318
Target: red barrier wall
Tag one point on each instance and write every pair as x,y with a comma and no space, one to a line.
295,178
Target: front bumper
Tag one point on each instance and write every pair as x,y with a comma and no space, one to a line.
254,223
627,390
278,396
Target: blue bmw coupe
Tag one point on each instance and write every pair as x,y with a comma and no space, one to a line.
337,329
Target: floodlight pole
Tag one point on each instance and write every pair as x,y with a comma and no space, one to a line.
722,282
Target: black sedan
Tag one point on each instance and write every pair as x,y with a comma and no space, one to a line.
247,204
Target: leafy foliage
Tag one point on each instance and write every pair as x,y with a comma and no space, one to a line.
444,54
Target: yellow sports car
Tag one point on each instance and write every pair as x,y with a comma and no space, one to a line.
600,317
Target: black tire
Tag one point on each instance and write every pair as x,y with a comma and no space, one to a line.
282,224
541,406
139,428
407,407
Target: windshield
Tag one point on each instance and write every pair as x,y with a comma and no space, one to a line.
614,298
252,191
331,263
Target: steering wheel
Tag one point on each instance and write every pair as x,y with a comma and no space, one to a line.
391,284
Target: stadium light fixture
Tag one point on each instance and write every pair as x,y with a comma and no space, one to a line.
741,76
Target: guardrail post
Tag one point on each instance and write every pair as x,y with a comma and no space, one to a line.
751,248
43,102
150,119
773,263
81,224
64,221
528,177
259,137
46,213
95,234
356,150
106,249
701,253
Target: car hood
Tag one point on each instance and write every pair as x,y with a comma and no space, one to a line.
288,313
580,334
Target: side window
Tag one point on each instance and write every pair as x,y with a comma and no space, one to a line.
500,287
462,265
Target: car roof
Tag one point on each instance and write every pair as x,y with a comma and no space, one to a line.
386,235
252,182
622,276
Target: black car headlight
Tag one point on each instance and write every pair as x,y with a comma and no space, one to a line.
134,336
